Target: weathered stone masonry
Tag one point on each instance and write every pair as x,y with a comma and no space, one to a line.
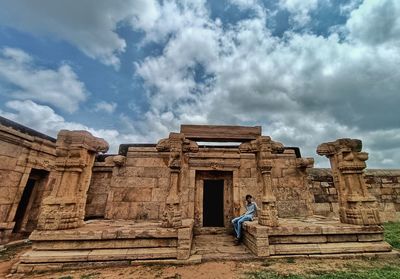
382,184
151,200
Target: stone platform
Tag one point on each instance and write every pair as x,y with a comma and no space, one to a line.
219,247
108,243
315,235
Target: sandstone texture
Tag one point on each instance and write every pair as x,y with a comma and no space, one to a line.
174,200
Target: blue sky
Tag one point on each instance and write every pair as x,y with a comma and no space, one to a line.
308,71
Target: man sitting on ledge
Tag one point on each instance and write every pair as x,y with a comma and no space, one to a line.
251,210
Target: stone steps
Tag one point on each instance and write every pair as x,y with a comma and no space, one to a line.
219,247
104,244
329,248
97,255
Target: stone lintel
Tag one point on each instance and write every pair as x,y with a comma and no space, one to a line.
219,133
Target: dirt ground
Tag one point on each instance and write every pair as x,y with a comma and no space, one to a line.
215,270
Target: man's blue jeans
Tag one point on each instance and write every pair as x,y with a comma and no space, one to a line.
237,223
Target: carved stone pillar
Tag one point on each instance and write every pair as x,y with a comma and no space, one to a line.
172,216
64,208
356,204
264,148
176,144
269,212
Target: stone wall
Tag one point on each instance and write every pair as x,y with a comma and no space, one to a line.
383,184
290,187
98,190
25,155
139,187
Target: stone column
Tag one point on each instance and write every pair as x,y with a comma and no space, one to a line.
356,204
176,144
269,212
264,148
64,208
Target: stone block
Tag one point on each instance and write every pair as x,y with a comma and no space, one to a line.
245,172
163,182
7,163
370,237
297,239
322,208
136,194
156,172
342,238
55,256
159,194
247,163
132,171
147,162
107,254
4,209
155,253
332,191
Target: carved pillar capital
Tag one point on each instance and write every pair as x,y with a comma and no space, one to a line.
356,204
64,208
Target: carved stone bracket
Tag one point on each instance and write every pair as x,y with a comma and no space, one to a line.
356,204
64,208
176,145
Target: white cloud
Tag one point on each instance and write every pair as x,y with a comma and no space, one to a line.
303,88
45,120
103,106
59,87
376,22
89,25
347,7
299,9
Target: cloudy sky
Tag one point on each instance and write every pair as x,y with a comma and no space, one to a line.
308,71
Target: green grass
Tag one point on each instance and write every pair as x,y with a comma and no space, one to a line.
392,233
387,272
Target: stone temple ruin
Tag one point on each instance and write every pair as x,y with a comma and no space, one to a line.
173,201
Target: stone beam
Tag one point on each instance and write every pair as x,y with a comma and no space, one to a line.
220,133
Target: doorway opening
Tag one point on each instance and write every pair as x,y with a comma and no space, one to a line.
28,207
213,203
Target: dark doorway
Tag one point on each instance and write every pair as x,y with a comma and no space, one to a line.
213,203
23,204
27,213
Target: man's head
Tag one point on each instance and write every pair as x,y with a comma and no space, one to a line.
249,198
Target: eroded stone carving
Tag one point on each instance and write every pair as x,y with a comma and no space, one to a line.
176,144
64,208
264,147
356,204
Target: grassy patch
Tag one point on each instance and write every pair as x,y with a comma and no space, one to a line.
389,272
392,233
10,252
